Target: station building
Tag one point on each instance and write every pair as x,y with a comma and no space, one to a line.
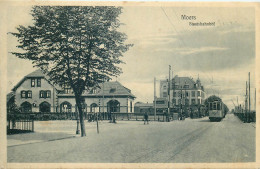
35,93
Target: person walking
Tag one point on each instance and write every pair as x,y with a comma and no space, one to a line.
146,118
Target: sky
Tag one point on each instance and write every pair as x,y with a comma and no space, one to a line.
221,55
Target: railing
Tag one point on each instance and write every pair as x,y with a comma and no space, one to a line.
19,126
246,117
40,116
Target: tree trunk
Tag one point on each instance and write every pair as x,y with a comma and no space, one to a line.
81,117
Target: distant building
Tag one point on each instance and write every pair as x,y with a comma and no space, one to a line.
141,107
183,91
35,93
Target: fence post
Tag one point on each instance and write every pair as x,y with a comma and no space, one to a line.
33,125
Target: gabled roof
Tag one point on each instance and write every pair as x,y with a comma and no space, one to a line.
114,88
9,96
111,89
35,74
181,81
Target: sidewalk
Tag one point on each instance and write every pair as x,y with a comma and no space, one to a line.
36,137
46,131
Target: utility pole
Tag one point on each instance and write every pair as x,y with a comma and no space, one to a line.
154,98
237,102
169,83
249,101
103,98
246,102
255,99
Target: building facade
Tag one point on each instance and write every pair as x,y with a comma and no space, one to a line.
183,91
35,93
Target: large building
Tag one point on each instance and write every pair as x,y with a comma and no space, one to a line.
183,91
35,93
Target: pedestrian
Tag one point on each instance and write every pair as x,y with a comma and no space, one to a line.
146,118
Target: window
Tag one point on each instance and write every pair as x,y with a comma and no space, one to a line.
160,102
179,94
210,106
112,90
48,94
32,82
26,94
193,93
198,101
174,101
23,93
218,106
164,87
164,94
45,94
187,94
94,91
198,93
29,94
186,101
131,106
186,86
174,94
39,82
179,101
67,90
193,101
214,106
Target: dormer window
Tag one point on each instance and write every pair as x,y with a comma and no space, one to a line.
93,91
67,90
113,90
186,86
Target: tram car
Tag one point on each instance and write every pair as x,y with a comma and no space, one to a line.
216,110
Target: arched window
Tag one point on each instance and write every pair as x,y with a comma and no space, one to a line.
113,106
45,107
93,108
26,107
65,107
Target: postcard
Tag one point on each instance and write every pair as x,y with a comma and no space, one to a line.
129,84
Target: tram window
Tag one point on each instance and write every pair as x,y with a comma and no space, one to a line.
218,106
214,106
210,106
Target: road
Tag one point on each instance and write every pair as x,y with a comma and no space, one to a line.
189,141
